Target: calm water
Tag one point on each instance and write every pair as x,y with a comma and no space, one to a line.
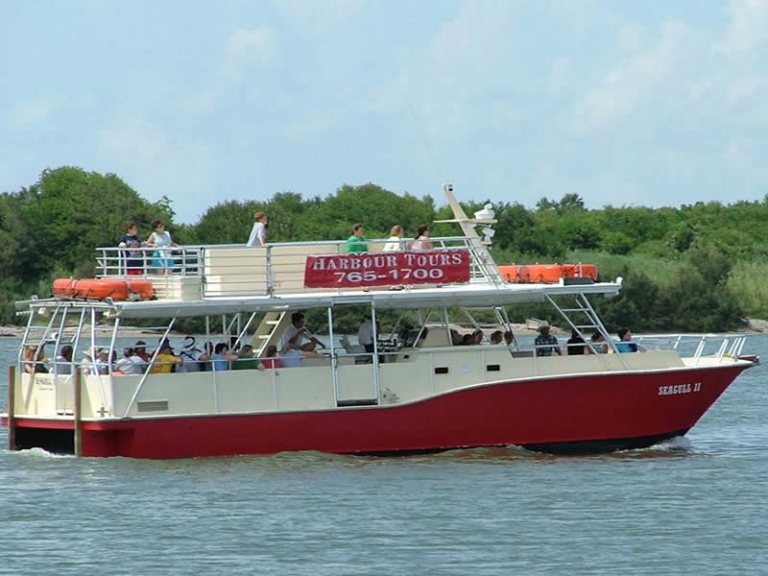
697,506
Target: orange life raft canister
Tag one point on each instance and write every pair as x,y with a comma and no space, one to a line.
547,273
102,288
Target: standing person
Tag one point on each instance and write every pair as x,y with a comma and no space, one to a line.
422,242
161,240
357,242
130,241
545,343
365,334
395,241
258,235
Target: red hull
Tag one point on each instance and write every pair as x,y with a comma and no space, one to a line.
564,414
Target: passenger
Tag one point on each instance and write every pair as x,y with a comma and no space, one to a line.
625,343
395,241
161,240
365,334
95,361
598,342
258,235
34,360
455,337
165,360
127,365
247,360
422,242
477,337
466,340
234,344
271,361
222,357
130,241
194,358
357,242
545,343
576,345
497,337
140,350
509,340
295,334
138,364
63,362
294,358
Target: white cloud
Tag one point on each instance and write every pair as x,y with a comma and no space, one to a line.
156,165
636,79
246,47
320,15
32,113
748,26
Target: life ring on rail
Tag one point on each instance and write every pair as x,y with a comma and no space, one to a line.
103,288
547,273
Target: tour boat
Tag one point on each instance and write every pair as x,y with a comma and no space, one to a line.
413,389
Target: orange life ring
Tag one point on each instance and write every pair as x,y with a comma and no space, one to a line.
547,273
102,288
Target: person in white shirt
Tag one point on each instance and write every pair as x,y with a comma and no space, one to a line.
258,235
395,241
131,363
365,334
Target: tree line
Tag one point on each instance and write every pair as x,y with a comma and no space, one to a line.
697,267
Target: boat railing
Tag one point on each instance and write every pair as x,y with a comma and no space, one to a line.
696,346
235,270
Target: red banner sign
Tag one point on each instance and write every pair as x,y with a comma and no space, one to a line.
386,269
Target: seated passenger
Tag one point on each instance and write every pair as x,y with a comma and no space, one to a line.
246,360
131,363
599,343
271,361
576,345
63,362
497,337
293,358
625,343
165,360
34,360
509,340
222,357
545,343
194,358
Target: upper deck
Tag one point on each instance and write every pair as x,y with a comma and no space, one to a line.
225,279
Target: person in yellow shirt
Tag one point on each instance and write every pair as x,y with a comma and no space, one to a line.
165,361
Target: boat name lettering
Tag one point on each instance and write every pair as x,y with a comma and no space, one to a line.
436,266
679,389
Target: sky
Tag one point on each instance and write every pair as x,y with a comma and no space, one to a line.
623,102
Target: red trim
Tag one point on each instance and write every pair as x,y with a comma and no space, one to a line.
556,410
